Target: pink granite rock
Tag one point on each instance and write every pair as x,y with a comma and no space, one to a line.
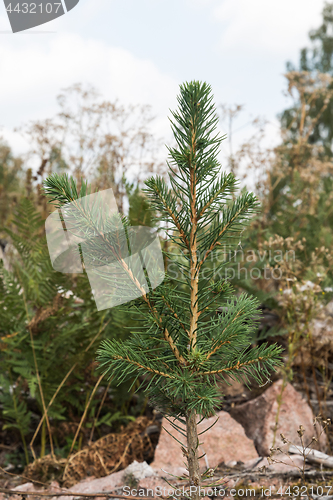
113,483
281,463
29,487
225,441
107,483
258,418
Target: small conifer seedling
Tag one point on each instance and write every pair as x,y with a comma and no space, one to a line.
195,331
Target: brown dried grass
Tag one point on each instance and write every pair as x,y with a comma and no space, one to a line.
109,454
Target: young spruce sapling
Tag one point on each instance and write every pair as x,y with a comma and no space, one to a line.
184,345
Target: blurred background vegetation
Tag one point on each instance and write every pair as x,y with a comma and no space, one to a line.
52,398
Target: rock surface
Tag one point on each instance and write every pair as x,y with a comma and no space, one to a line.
114,482
281,463
30,487
139,470
139,477
225,441
258,418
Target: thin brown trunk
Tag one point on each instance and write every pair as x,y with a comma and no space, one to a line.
192,455
191,417
194,264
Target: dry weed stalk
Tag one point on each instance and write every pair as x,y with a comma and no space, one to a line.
292,190
304,449
93,139
299,301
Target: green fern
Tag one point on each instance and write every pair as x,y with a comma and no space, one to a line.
65,334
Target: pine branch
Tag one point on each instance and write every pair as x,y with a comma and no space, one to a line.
237,366
167,203
142,367
63,190
225,186
223,342
240,210
174,313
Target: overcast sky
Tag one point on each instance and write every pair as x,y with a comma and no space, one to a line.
139,51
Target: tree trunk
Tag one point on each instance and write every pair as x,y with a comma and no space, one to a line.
192,455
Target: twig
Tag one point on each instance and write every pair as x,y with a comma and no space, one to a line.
314,456
71,494
22,477
292,473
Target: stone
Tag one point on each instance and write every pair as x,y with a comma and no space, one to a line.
152,483
107,483
225,441
284,463
112,482
54,487
26,487
139,470
29,487
281,463
258,419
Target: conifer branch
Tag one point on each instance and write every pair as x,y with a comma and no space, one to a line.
174,313
223,230
174,348
237,366
166,334
224,187
218,346
172,215
142,367
66,192
221,344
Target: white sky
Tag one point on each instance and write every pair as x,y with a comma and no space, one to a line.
139,51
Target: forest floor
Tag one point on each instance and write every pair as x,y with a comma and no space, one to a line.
141,437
